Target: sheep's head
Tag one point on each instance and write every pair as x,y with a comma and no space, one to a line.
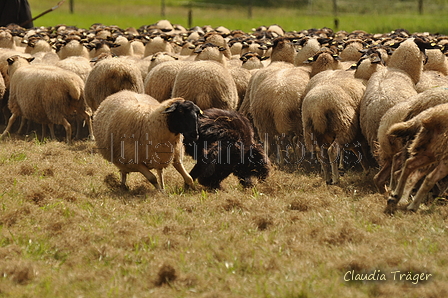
183,118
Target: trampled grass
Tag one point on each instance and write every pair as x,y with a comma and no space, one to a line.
68,230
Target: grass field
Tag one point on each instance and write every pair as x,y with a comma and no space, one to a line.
136,13
68,230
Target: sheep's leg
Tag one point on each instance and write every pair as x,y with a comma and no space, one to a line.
161,180
412,180
150,176
23,121
410,165
68,130
333,152
52,134
124,176
44,132
187,178
380,178
324,162
438,173
11,121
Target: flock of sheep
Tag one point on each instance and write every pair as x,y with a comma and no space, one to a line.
310,94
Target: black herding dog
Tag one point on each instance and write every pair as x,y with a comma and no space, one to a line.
226,146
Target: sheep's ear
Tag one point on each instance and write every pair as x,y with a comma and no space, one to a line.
309,60
353,66
222,49
10,60
30,59
264,58
171,108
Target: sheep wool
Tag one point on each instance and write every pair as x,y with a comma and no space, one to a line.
208,84
109,76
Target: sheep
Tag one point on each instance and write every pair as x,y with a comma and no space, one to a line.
391,85
252,61
160,43
159,81
71,45
390,150
427,154
7,39
275,107
208,84
45,94
435,71
109,76
330,111
137,133
226,146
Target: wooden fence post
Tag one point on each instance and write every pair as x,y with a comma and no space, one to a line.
72,6
190,15
249,9
162,8
420,6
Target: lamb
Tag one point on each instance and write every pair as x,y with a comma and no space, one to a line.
391,85
109,76
45,94
226,146
330,119
137,133
427,154
208,84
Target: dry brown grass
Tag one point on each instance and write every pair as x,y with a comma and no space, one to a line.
68,230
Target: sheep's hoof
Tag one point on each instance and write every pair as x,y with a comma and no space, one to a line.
391,206
412,208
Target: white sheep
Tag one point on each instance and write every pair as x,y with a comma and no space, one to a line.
45,94
390,149
109,76
137,133
208,84
330,119
427,155
389,86
159,81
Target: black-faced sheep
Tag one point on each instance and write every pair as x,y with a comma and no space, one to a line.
226,146
137,133
45,94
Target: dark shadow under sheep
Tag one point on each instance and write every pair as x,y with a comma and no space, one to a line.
226,146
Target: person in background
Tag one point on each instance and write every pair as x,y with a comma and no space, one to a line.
15,12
